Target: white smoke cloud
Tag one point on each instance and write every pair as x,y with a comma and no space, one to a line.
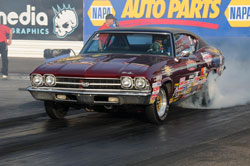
231,88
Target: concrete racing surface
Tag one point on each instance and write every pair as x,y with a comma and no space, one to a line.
190,136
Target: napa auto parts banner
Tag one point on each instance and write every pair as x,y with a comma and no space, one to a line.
44,20
207,18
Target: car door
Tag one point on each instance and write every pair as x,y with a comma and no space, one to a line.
187,66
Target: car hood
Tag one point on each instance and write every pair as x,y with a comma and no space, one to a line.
100,65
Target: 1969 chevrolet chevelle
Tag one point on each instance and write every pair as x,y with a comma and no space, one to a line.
145,67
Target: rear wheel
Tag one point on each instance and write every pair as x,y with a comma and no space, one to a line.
206,95
208,92
158,111
101,108
56,110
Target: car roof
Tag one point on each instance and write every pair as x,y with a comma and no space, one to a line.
149,29
155,30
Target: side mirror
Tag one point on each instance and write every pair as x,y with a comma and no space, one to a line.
179,58
185,53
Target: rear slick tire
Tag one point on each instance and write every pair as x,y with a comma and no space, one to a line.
55,110
208,91
158,111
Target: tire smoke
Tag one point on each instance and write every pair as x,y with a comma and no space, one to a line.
231,88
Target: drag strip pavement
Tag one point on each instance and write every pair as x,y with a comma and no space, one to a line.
105,139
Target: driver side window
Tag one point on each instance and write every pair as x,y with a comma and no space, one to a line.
184,44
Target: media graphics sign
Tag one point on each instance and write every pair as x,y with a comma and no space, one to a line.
34,20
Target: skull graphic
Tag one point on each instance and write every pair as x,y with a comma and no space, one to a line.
65,21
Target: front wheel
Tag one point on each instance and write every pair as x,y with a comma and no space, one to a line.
158,111
56,110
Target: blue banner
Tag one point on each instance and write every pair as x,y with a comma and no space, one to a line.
206,18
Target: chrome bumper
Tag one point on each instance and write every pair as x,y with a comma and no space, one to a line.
90,96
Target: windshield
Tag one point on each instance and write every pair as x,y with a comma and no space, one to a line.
134,43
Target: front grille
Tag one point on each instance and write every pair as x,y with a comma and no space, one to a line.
88,83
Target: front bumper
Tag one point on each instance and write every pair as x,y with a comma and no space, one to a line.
92,97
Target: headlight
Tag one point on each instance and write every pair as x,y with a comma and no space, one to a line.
50,80
126,82
37,80
140,83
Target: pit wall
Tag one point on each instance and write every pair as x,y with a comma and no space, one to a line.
35,48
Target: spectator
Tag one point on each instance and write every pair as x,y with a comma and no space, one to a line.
110,20
4,30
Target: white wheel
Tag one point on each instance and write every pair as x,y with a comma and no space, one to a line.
157,112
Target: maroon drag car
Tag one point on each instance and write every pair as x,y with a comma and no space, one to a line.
140,67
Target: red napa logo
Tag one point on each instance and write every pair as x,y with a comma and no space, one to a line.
174,12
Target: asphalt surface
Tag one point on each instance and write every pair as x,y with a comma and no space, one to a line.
23,65
206,137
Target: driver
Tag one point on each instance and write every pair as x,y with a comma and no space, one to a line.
157,46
